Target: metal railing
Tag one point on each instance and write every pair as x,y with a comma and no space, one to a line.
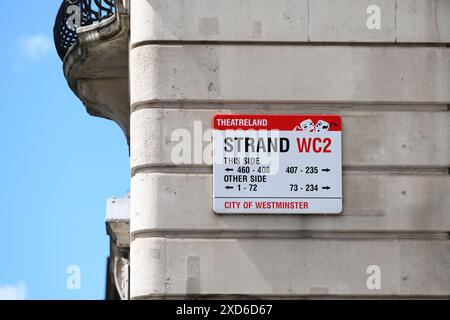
78,13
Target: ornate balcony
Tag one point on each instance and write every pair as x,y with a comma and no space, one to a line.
91,37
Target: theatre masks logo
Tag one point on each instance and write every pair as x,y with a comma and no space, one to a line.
309,126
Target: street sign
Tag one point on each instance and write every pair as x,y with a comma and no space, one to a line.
277,164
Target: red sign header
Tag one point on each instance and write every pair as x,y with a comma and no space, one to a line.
285,122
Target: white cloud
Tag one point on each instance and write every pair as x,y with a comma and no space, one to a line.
36,46
15,292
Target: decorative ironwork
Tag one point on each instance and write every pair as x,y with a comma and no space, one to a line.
78,13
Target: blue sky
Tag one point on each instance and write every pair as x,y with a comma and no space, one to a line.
58,166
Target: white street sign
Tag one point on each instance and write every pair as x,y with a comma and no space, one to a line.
277,164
